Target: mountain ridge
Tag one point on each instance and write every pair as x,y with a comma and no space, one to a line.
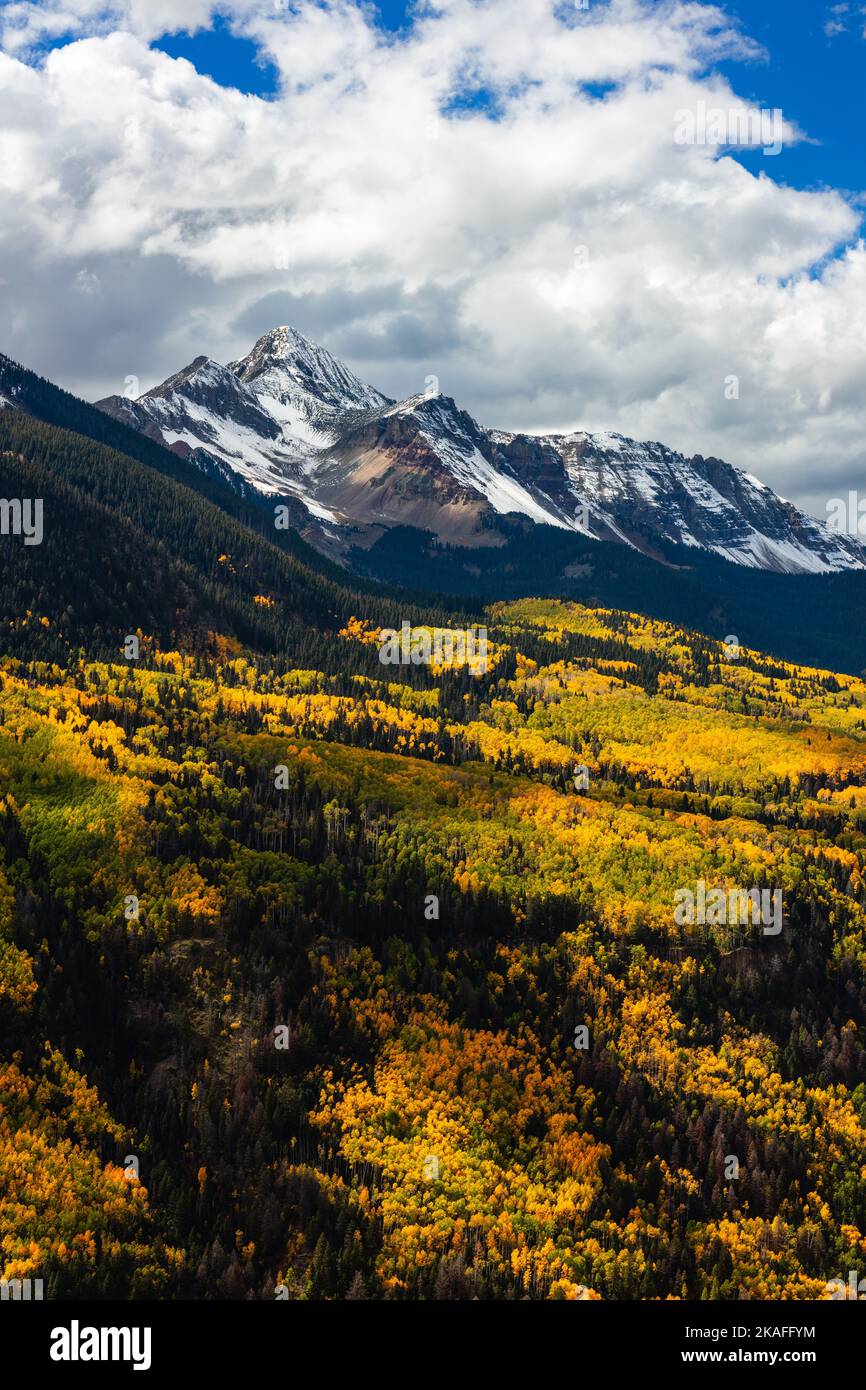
289,416
814,618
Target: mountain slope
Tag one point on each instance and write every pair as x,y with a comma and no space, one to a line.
205,407
652,494
289,416
124,548
129,427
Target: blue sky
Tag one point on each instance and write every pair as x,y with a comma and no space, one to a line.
230,60
817,79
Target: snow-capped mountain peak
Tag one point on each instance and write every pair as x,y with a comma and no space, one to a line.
290,418
303,385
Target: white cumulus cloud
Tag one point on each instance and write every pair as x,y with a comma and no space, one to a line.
497,196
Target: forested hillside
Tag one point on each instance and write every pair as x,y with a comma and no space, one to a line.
324,978
819,619
126,548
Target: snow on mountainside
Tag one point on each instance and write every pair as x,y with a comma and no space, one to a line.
303,386
292,420
206,407
649,492
463,450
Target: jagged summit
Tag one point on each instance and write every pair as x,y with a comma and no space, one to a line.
305,386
